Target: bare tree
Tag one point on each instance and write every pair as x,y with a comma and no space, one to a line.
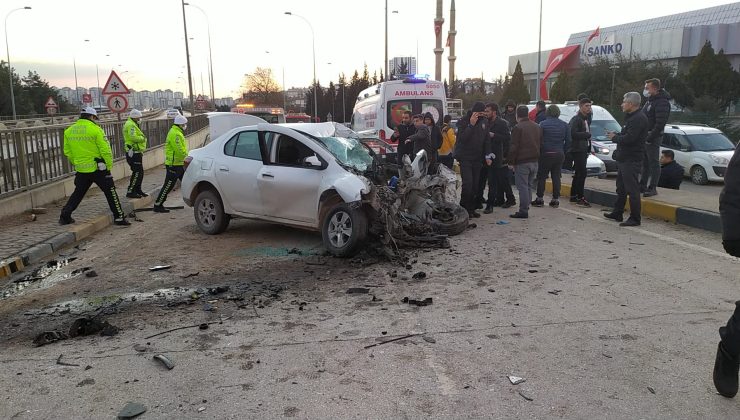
262,87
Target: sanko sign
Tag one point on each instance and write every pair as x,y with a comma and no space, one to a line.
604,50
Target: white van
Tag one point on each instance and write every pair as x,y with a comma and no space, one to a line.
379,108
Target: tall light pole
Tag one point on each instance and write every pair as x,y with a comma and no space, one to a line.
385,65
187,57
539,58
10,69
210,55
285,99
97,75
313,48
614,68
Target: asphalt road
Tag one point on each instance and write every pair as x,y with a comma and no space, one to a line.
601,321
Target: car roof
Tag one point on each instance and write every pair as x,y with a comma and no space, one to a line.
690,128
325,129
568,110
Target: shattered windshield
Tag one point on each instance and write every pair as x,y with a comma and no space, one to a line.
348,151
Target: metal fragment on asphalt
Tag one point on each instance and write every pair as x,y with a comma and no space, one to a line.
652,391
164,360
160,267
131,410
525,397
515,380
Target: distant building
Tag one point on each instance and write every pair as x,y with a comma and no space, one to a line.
295,99
402,65
473,85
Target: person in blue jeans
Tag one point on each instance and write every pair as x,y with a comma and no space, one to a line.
552,155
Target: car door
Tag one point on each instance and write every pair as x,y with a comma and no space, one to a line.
237,172
289,188
681,150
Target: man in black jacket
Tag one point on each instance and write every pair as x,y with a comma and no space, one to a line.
471,148
658,109
498,132
671,173
629,154
727,363
580,148
402,132
509,114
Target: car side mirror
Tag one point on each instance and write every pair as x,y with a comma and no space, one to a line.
312,161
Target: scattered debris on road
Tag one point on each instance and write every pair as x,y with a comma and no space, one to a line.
357,291
554,292
160,267
131,410
89,326
59,362
164,361
428,339
48,337
86,381
425,302
516,380
420,275
91,273
188,326
391,340
187,276
502,222
652,391
525,397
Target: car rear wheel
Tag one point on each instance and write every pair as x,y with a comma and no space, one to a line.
449,219
699,175
209,213
343,230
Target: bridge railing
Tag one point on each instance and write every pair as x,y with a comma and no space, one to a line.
30,157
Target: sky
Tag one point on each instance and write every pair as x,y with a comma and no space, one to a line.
143,40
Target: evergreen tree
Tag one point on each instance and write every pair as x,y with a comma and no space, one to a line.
516,90
37,91
563,89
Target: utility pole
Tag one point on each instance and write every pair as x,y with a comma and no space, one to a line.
187,56
539,58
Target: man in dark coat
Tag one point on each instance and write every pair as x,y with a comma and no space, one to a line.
422,140
727,363
629,154
470,151
658,109
671,173
498,133
580,148
509,114
400,134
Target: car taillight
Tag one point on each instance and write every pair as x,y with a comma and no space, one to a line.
381,134
186,162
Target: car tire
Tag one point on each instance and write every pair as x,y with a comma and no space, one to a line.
209,213
449,219
343,230
699,175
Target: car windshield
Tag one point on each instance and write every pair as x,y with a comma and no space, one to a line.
600,127
348,151
710,142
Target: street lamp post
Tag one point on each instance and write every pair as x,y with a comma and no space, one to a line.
313,48
611,93
539,58
187,57
285,99
10,69
210,55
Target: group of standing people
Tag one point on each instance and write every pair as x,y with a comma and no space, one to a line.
88,150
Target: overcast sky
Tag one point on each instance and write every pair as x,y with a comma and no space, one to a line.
144,41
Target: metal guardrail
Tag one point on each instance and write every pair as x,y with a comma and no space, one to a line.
30,157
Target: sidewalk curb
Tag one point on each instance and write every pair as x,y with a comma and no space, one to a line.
76,233
688,216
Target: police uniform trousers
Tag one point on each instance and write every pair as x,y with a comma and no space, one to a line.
137,173
173,174
104,181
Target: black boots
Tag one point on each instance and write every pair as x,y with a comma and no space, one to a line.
725,372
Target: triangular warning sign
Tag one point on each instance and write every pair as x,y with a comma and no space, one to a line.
114,85
50,103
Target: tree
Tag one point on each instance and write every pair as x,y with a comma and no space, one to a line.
516,90
262,87
563,89
482,85
22,105
37,91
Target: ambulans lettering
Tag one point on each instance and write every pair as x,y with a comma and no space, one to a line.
604,50
414,93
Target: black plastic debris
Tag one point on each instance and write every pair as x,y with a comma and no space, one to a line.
86,381
393,274
89,326
187,276
218,290
160,267
428,339
652,391
554,292
295,251
164,361
532,271
357,291
59,362
131,410
525,396
203,326
425,302
420,275
91,273
492,290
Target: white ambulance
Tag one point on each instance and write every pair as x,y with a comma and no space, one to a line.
379,108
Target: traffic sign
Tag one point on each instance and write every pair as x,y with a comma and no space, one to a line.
86,98
117,103
114,85
50,103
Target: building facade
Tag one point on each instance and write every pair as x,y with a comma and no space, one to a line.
402,65
674,40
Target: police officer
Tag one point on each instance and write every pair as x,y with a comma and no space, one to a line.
88,150
135,143
176,149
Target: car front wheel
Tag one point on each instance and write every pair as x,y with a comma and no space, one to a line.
699,175
209,213
343,230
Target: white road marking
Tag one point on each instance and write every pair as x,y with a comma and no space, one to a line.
659,236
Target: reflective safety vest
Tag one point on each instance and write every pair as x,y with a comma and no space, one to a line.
85,141
176,149
133,138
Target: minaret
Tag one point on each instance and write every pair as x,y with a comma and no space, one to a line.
451,42
438,50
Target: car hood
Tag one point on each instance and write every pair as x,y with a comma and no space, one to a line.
727,154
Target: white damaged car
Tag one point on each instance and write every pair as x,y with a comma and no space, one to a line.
315,176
